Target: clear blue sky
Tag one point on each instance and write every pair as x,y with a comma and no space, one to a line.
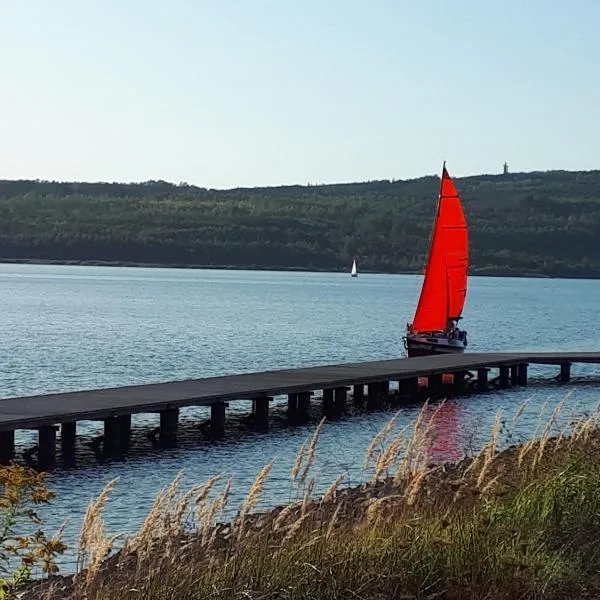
264,92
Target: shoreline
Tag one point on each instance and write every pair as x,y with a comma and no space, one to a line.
483,272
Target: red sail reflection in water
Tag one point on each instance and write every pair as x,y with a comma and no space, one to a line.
443,424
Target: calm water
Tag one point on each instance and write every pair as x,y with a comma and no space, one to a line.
67,328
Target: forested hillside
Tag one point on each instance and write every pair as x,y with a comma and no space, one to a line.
535,223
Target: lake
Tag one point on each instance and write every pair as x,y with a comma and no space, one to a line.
74,327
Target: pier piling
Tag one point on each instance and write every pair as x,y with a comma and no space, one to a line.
358,394
115,436
522,373
46,446
514,375
459,383
385,388
169,422
435,386
328,400
340,397
292,404
7,446
125,431
260,408
217,418
304,403
482,379
68,433
374,394
504,376
408,388
565,372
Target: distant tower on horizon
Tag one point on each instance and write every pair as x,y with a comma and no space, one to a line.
505,171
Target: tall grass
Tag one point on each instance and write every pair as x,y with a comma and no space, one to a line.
522,523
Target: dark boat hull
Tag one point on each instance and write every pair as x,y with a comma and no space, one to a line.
427,345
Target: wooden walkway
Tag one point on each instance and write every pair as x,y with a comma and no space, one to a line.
116,405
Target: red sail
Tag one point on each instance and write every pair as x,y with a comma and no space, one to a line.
456,246
445,283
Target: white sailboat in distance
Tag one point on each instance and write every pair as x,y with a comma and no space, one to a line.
353,273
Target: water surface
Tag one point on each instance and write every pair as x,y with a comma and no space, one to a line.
69,327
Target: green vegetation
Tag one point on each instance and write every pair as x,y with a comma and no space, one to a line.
24,548
526,223
522,523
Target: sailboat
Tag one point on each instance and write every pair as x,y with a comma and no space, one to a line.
353,273
434,329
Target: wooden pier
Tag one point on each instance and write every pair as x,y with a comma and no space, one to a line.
52,413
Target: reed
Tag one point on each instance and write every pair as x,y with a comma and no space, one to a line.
252,498
93,544
489,450
378,443
205,515
330,492
310,451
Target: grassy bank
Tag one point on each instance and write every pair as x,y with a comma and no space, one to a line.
521,523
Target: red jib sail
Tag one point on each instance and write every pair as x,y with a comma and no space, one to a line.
445,283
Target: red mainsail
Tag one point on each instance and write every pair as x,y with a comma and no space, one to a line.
445,282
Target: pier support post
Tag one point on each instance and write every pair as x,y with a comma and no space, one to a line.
169,421
482,379
408,388
46,446
504,377
328,400
434,385
358,393
260,407
522,371
217,418
340,398
125,421
385,389
68,433
459,383
115,436
7,446
374,394
514,375
304,403
292,404
565,372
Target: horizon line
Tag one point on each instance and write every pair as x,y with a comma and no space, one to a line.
186,184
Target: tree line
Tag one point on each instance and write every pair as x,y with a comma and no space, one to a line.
540,223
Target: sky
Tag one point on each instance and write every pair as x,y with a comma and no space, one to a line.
232,93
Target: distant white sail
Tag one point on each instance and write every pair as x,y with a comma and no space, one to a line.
353,272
